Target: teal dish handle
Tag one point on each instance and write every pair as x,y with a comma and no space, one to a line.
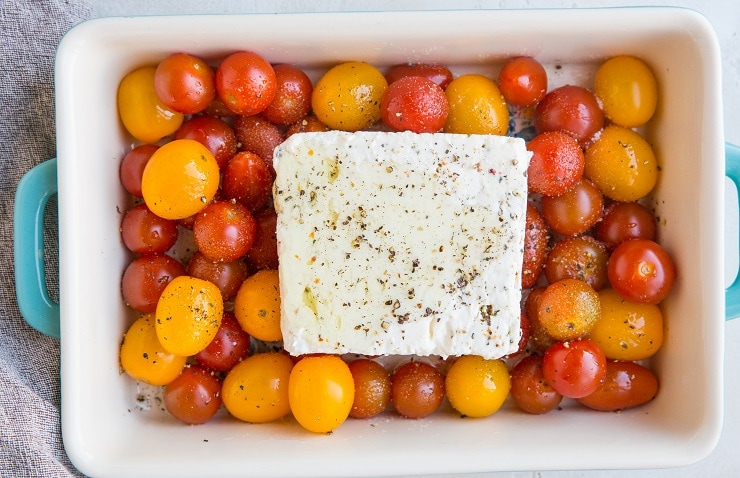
34,191
732,170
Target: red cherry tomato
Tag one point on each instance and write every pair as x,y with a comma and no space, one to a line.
557,163
213,133
132,167
626,385
578,257
245,82
572,109
440,75
535,247
143,232
194,396
417,389
224,230
414,103
184,83
530,390
292,96
372,388
264,254
625,220
575,368
230,345
576,210
640,270
228,276
259,136
247,178
523,81
146,277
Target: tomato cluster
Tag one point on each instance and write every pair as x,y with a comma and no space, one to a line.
201,173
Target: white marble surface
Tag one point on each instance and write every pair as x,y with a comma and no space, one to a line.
724,15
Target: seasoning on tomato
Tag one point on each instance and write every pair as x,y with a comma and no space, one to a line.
414,103
245,82
185,83
476,106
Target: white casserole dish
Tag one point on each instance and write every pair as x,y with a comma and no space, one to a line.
105,430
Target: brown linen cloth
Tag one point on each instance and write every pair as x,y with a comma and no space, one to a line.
30,431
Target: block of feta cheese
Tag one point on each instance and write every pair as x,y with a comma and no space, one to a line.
400,243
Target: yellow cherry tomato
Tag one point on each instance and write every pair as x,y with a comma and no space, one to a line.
180,179
476,106
621,164
144,359
627,89
257,305
627,330
321,391
348,96
189,313
256,389
477,387
143,114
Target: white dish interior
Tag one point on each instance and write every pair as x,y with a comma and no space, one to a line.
106,431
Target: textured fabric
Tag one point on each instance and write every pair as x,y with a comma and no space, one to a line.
30,431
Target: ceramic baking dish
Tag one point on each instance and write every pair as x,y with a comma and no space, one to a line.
108,432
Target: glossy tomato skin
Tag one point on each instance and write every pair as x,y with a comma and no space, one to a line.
477,387
642,271
132,167
248,179
372,388
578,257
213,133
257,305
227,276
529,389
143,232
438,74
292,99
627,89
144,359
417,389
627,330
622,164
568,309
146,277
189,314
414,103
184,83
557,163
572,109
625,220
256,389
476,106
142,113
179,179
230,346
194,396
321,392
245,82
224,231
574,369
576,210
347,97
264,254
535,246
626,385
523,81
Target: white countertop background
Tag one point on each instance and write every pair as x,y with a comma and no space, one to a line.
724,15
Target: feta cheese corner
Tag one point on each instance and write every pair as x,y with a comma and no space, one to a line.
400,243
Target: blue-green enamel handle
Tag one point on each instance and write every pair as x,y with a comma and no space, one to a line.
34,190
732,170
